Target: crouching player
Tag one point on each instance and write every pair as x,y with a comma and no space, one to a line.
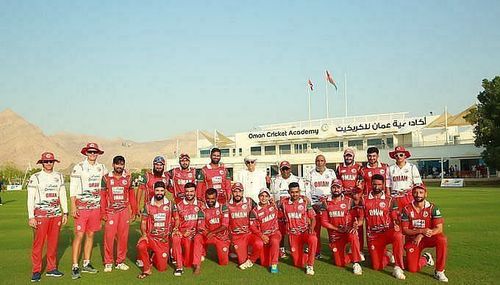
212,229
422,224
264,223
337,217
156,225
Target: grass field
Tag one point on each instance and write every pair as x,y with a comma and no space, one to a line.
472,224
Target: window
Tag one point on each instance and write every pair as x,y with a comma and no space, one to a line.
270,150
285,149
355,143
256,150
300,148
326,146
205,153
224,152
376,142
240,151
390,142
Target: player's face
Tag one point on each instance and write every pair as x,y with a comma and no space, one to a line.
294,193
419,194
211,200
356,196
190,193
377,186
400,157
237,195
48,165
320,162
336,190
92,155
285,172
250,165
158,168
118,167
159,193
215,157
348,159
264,198
372,157
184,163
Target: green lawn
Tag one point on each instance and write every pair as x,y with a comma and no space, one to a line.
472,224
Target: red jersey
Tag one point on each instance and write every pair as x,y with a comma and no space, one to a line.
149,180
214,218
380,213
297,214
367,172
264,219
217,178
339,213
117,193
428,217
188,215
178,178
239,215
349,174
158,220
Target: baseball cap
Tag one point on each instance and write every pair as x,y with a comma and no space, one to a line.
419,186
337,182
349,151
265,190
237,186
250,158
285,164
159,159
184,156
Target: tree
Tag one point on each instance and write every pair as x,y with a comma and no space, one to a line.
486,119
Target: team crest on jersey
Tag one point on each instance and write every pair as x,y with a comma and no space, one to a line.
164,180
370,174
217,212
412,214
165,208
373,247
190,175
300,207
334,249
164,255
354,170
111,222
426,214
224,249
382,171
244,206
99,169
343,206
406,171
271,209
412,249
221,172
56,179
124,182
196,209
382,204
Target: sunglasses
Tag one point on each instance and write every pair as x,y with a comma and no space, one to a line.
250,162
92,152
47,161
400,154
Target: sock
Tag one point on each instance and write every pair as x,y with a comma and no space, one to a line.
86,262
75,265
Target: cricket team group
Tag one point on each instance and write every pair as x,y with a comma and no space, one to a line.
254,219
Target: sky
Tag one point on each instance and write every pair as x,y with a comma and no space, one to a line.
148,70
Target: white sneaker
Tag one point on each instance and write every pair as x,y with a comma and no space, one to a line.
122,266
356,269
389,254
108,267
139,263
398,273
439,275
246,264
309,270
430,260
233,255
202,258
362,257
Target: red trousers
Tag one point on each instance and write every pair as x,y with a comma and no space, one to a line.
413,252
46,229
377,243
361,237
317,230
271,250
297,242
182,250
241,244
338,248
116,227
221,246
160,254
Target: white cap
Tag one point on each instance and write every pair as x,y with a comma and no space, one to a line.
250,158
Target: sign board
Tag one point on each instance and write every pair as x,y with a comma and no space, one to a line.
453,182
14,187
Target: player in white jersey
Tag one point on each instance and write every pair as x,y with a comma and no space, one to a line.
47,211
251,178
319,180
85,185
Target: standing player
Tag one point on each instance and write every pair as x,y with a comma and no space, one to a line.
239,225
186,215
180,176
156,227
146,190
47,210
252,179
320,180
212,230
85,186
214,175
264,223
403,176
300,219
118,208
422,224
375,167
337,216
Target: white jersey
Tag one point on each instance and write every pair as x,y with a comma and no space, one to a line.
319,184
403,178
252,182
46,195
85,184
279,187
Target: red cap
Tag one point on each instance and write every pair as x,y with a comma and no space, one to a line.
419,186
284,164
237,186
91,146
399,149
349,151
337,182
184,156
47,156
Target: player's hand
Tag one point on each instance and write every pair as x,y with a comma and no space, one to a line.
311,230
397,228
75,214
143,237
428,232
417,239
265,239
32,223
64,219
104,217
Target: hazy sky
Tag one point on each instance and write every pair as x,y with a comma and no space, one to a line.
147,70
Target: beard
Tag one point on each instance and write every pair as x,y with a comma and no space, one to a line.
419,199
336,194
376,191
159,197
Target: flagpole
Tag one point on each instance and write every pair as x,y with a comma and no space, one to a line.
345,92
309,105
327,103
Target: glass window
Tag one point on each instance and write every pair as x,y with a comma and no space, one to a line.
224,152
355,143
256,150
326,146
390,142
374,142
300,148
205,153
285,149
270,149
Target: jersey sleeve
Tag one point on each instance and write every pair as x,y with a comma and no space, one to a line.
405,218
225,216
436,216
75,180
63,200
417,180
32,189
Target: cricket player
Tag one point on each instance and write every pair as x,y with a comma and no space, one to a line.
403,176
146,190
118,209
381,214
187,214
338,217
300,220
375,167
47,211
239,226
319,180
213,230
422,224
251,178
180,176
214,175
349,172
156,225
264,223
85,188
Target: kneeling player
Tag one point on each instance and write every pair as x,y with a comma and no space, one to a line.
423,226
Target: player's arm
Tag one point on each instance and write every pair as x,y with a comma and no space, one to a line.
388,181
144,223
141,189
437,222
177,222
63,200
255,224
324,218
394,212
201,186
170,183
75,185
104,198
224,221
417,180
405,225
32,189
133,201
311,216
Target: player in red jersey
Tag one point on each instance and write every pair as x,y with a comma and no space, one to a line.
156,228
264,223
212,230
118,208
375,167
380,212
187,214
349,172
181,175
239,225
337,217
422,224
146,190
300,220
214,175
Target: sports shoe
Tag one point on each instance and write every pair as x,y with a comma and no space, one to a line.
362,257
108,267
36,277
89,269
122,266
398,273
356,269
178,272
274,268
389,254
233,255
139,263
54,273
439,275
75,273
283,253
309,270
197,269
246,264
202,258
428,257
318,256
